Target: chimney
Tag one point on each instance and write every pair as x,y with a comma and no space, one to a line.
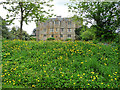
58,16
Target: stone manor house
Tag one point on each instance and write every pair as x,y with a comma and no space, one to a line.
59,28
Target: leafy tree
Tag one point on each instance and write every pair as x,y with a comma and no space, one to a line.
79,31
28,11
34,32
105,14
16,30
4,31
87,35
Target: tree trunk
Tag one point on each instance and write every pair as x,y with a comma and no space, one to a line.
21,22
21,25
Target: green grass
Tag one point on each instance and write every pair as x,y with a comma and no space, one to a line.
48,64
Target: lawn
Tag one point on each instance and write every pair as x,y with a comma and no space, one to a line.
58,64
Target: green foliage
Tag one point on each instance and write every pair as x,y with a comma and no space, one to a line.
105,14
42,64
78,20
95,41
51,38
79,31
32,38
87,35
15,34
68,39
28,11
4,31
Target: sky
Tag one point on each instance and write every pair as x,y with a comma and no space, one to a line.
59,9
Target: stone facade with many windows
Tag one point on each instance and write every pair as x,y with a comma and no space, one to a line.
59,28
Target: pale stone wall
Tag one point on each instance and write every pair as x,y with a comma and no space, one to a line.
56,24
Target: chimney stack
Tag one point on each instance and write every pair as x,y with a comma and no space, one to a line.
58,16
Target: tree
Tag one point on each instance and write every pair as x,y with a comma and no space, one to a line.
15,33
28,11
79,31
87,35
105,14
4,31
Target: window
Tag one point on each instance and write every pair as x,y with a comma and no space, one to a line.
44,30
44,23
51,30
50,22
69,22
56,22
62,29
61,35
44,35
69,30
69,35
56,30
52,35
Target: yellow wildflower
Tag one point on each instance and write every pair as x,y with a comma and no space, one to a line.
33,85
105,64
92,72
78,75
81,62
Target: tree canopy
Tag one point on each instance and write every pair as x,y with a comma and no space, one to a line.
105,14
27,11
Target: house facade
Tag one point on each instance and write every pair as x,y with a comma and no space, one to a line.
58,28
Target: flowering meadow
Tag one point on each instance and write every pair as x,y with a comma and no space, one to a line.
59,64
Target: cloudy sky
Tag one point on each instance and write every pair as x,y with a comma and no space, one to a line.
59,9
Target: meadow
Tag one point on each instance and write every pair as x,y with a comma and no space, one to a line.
59,64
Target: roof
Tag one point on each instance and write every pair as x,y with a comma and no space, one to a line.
57,18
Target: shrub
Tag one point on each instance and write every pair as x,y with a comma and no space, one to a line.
51,38
68,39
87,35
95,41
32,38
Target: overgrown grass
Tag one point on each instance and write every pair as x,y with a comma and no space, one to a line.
48,64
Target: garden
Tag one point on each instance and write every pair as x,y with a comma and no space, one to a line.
59,64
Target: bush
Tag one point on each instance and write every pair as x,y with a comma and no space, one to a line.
51,38
87,35
95,41
68,39
32,38
117,39
78,37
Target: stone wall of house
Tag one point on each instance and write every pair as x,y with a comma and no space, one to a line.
59,28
